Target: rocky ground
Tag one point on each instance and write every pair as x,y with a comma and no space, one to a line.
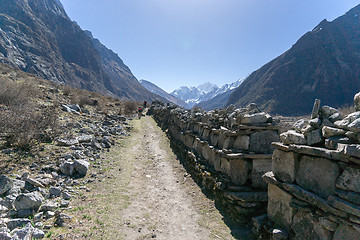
102,176
144,193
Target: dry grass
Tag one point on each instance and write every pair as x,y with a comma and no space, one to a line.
346,110
128,108
22,121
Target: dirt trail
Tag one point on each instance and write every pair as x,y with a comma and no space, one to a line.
147,194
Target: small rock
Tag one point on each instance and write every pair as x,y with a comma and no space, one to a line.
331,132
292,136
5,184
327,111
81,166
55,191
67,168
316,108
49,206
85,138
5,236
67,142
300,124
314,137
50,214
38,217
64,203
15,223
357,101
316,122
38,234
39,225
278,234
34,182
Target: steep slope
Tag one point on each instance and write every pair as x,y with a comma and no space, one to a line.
38,37
157,90
324,63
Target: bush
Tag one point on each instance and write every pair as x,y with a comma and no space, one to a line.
346,110
67,90
15,94
22,123
130,107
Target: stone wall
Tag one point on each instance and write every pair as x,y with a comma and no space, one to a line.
227,151
314,185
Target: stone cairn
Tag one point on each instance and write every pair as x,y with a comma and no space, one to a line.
226,151
314,185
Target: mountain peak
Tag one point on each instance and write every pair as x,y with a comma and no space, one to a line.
207,87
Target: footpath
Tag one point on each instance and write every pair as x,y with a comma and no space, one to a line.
147,194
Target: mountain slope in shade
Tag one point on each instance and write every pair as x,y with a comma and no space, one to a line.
157,90
38,37
324,64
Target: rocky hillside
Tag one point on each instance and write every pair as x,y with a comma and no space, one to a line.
157,90
50,136
38,37
323,64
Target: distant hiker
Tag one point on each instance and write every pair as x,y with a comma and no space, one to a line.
145,104
140,112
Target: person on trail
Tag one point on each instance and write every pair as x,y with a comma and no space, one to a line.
140,112
145,104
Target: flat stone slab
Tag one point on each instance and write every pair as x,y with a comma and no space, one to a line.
279,210
317,175
349,180
312,198
344,205
247,196
285,165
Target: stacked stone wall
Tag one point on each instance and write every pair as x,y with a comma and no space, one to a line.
227,151
314,185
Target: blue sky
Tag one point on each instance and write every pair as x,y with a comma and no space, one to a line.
175,43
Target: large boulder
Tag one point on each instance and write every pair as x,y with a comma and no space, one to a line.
28,201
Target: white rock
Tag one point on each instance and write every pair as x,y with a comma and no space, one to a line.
292,136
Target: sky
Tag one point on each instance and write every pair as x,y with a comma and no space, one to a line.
175,43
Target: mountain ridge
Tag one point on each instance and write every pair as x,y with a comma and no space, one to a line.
38,37
324,63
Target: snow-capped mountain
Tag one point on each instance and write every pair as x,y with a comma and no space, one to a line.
203,92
